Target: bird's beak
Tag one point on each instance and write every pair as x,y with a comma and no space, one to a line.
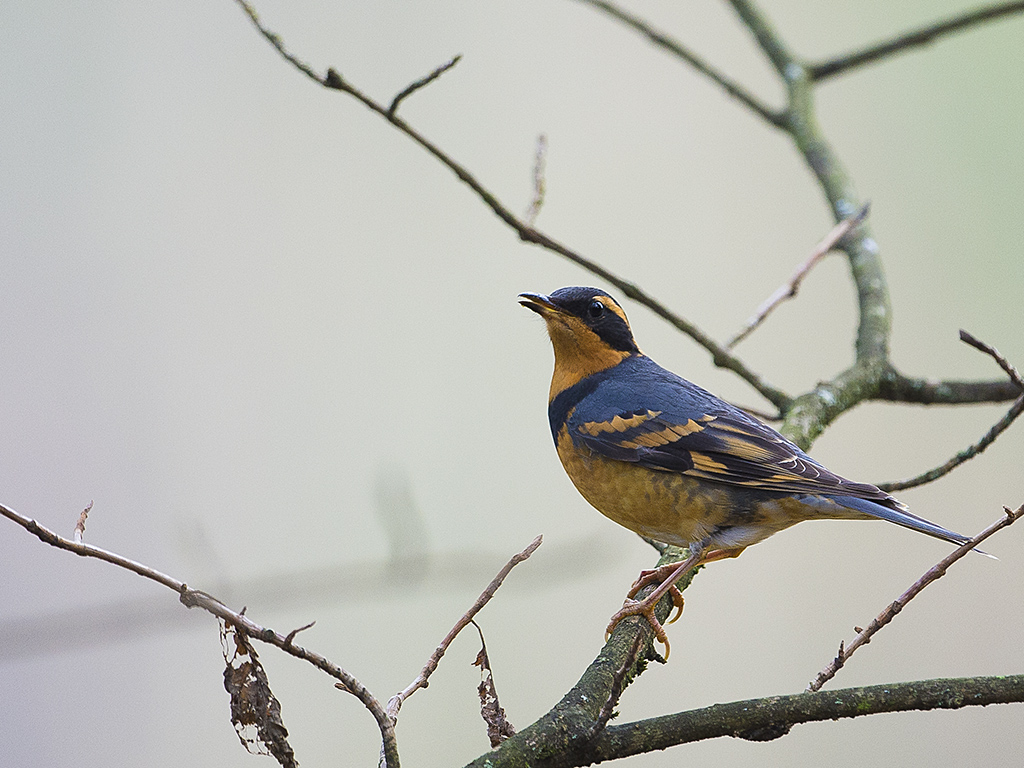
539,303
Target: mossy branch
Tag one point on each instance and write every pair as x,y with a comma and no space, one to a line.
754,719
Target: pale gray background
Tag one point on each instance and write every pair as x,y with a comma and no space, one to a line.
243,315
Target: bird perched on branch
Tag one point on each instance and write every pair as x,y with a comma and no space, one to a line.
671,461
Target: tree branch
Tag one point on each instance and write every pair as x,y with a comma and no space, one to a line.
966,454
788,290
897,388
539,181
193,598
396,701
721,356
908,40
774,713
421,83
662,40
572,721
934,573
1000,426
875,313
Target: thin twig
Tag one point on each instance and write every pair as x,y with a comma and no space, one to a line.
80,525
396,701
661,39
937,571
539,181
966,454
276,41
720,355
987,439
193,598
994,353
788,290
874,324
423,81
291,635
908,40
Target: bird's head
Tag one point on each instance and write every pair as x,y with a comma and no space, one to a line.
588,330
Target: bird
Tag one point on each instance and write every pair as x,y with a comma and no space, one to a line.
674,463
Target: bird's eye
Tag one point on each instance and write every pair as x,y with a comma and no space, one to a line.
596,309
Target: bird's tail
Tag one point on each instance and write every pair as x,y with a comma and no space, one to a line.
900,516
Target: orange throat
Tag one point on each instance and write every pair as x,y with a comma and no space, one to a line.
579,353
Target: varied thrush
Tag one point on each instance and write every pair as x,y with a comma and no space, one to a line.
671,461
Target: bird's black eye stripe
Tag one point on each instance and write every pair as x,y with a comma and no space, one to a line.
596,309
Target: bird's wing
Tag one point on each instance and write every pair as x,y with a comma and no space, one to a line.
685,429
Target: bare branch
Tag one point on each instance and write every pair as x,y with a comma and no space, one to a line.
775,712
423,81
788,290
276,41
966,454
937,571
907,40
193,598
995,355
897,388
874,310
767,39
396,701
662,40
539,181
997,429
291,635
720,355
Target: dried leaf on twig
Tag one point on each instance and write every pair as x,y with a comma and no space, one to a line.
255,711
498,728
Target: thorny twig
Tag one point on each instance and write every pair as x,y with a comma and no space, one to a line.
937,571
788,290
291,635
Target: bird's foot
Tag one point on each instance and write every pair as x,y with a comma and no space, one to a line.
666,577
657,576
645,608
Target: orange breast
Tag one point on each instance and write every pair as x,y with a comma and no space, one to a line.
672,507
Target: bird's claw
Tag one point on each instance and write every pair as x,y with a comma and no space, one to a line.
677,604
643,608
